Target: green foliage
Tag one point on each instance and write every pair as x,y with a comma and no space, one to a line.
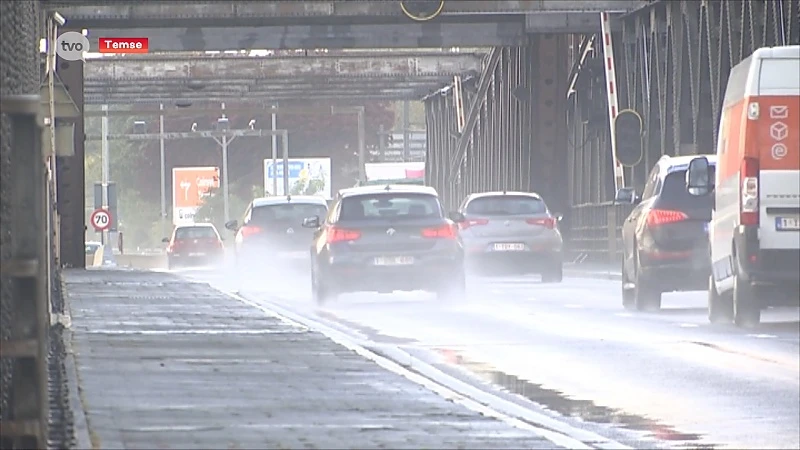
313,186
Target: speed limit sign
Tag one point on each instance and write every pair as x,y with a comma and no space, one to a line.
101,219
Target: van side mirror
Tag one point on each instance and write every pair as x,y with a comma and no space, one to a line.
456,217
311,222
232,225
165,240
698,180
626,196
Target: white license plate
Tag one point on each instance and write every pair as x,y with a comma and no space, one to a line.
197,254
394,260
509,247
787,223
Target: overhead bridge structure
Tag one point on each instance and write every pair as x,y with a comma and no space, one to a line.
533,113
168,78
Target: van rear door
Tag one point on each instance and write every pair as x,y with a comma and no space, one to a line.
778,138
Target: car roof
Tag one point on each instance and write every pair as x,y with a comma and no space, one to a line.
196,225
282,200
670,164
389,188
478,195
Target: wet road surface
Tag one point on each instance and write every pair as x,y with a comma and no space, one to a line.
571,348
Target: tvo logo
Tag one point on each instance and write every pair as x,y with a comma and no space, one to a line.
71,45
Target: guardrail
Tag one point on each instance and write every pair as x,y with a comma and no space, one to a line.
595,232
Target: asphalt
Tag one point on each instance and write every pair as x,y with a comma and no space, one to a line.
667,379
165,361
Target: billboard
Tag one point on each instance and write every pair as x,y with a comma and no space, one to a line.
190,186
307,176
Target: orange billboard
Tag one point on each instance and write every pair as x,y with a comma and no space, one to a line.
190,186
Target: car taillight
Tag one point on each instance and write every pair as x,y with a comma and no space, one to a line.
445,231
547,222
472,223
658,217
748,202
335,234
249,230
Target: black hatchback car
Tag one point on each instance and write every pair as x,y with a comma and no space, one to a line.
386,238
272,230
665,237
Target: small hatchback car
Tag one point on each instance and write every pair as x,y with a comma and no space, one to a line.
194,244
386,238
512,228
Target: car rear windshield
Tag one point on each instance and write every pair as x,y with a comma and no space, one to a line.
195,233
287,212
675,193
506,205
390,206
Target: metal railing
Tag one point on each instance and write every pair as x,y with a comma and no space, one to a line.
595,232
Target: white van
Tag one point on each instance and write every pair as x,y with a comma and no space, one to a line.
755,230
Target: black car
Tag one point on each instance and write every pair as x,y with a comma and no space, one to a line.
272,230
665,237
386,238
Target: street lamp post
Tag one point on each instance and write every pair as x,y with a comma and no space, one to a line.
223,137
162,158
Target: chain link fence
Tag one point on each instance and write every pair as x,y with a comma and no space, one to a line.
34,400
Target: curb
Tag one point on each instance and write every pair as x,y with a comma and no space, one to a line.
80,425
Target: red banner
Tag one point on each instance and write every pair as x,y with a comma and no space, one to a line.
411,173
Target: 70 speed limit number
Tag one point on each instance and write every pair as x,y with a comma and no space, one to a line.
101,219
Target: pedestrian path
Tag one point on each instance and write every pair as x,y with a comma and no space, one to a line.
164,362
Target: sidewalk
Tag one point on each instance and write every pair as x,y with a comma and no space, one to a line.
166,363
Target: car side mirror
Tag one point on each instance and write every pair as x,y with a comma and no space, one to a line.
626,196
311,222
698,180
165,240
456,217
232,225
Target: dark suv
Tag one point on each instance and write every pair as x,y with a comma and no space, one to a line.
665,237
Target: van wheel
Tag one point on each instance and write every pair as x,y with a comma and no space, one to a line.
746,310
720,306
646,297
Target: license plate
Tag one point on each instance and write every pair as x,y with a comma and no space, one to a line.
197,254
787,223
394,260
509,247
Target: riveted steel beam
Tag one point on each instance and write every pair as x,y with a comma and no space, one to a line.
169,37
91,13
338,96
151,67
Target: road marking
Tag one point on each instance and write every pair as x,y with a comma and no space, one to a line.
688,325
573,306
295,330
623,314
762,336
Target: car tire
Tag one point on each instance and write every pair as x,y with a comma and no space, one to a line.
746,311
720,306
646,296
628,295
553,274
453,288
321,291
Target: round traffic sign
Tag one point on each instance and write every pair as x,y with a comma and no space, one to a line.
101,219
